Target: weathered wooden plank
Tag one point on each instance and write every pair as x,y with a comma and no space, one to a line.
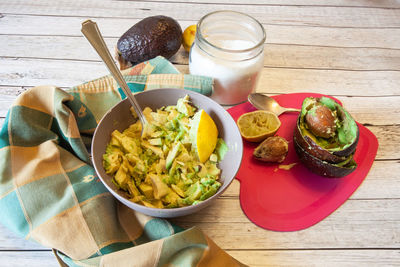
359,107
353,257
347,227
226,224
5,103
334,82
278,56
327,258
11,241
335,3
383,181
21,72
28,258
62,73
276,34
285,15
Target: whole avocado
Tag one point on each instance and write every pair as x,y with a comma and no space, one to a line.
150,37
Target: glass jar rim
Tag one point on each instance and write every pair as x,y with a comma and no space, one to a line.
201,37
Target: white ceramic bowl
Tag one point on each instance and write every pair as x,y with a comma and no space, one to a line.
119,117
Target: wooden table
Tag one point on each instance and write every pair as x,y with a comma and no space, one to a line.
348,49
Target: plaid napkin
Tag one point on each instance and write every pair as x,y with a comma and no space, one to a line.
50,194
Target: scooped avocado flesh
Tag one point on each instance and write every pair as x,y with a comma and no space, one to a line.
346,127
161,169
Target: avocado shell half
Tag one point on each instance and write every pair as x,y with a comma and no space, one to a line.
322,167
331,157
151,37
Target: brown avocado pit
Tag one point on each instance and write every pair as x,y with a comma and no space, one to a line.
326,137
151,37
272,149
321,121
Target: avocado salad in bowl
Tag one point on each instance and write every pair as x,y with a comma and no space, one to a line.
187,155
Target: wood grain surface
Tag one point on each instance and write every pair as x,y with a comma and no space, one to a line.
348,49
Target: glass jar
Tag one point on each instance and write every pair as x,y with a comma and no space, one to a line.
229,46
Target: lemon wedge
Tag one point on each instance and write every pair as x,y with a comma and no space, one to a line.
204,135
257,125
188,37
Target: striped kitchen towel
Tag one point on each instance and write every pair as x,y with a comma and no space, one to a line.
50,194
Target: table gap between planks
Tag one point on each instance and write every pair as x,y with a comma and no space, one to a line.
348,49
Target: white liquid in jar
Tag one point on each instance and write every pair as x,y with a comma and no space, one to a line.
234,79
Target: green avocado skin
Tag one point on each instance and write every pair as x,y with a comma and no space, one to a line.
151,37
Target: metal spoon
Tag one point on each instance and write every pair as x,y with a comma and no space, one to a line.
92,33
261,101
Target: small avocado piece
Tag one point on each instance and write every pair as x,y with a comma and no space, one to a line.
178,190
172,155
147,190
194,192
160,189
133,189
208,194
121,178
151,37
172,199
183,106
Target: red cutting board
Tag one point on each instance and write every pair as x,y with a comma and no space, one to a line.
295,199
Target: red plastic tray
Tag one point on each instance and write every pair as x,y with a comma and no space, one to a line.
295,199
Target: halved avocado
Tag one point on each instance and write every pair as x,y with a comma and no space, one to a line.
326,137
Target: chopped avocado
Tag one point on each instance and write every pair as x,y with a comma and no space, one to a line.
133,189
178,190
137,199
212,169
159,187
194,192
172,155
159,118
183,106
172,198
155,149
121,178
155,142
147,204
147,190
201,170
112,160
157,203
221,149
114,142
209,193
160,166
117,135
207,181
213,158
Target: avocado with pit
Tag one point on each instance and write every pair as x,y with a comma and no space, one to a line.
326,137
151,37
